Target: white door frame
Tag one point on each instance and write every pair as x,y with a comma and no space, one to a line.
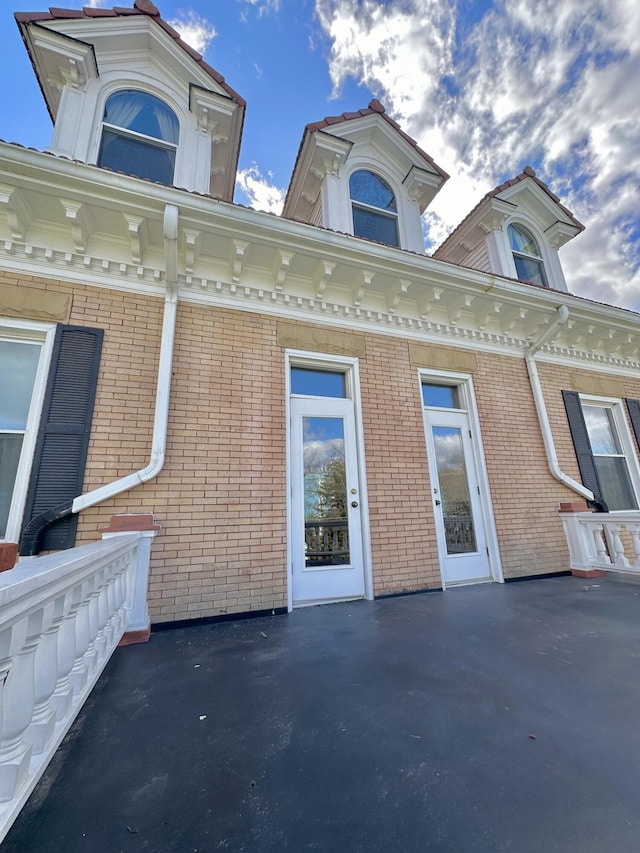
465,382
302,358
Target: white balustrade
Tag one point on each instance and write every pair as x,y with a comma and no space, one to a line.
609,541
61,617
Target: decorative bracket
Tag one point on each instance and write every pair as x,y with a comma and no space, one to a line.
509,315
362,281
17,210
281,267
426,301
399,288
456,306
136,228
421,186
485,310
192,251
560,233
239,249
79,219
323,274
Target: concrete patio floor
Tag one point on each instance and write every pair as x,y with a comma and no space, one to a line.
487,718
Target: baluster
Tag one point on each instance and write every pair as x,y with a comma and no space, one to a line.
119,592
634,530
91,655
80,670
17,704
43,723
98,641
619,557
104,609
601,545
62,697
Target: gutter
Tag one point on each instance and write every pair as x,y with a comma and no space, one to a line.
543,418
34,529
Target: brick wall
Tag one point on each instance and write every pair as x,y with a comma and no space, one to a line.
221,497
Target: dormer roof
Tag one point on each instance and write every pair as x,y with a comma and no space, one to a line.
525,192
70,47
326,144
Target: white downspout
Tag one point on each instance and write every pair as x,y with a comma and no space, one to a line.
161,418
543,418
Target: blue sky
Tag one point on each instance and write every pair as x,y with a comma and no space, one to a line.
485,86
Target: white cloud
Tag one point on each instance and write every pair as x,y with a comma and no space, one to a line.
259,192
262,6
194,29
546,82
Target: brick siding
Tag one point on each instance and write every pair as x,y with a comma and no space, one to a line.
221,497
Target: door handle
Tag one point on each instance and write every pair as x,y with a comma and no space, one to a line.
354,503
437,502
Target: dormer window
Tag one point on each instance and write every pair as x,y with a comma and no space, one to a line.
526,256
139,136
374,208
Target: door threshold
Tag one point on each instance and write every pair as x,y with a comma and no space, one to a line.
471,582
314,602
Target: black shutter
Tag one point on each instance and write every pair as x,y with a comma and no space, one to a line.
63,440
582,447
633,407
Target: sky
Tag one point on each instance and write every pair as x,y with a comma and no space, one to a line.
486,87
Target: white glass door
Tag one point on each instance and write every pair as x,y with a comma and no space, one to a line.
326,535
458,514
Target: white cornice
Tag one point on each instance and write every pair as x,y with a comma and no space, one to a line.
86,225
322,154
60,61
422,186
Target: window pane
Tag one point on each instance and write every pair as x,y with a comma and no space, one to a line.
371,189
326,526
375,226
522,241
18,366
602,432
135,157
440,396
10,446
615,482
454,490
530,269
317,383
143,113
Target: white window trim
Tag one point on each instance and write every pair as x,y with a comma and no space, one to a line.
23,330
464,382
348,365
622,425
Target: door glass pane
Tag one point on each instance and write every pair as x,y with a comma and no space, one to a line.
10,446
18,366
440,396
317,383
454,490
326,533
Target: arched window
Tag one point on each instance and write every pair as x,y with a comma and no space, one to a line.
374,208
526,255
139,136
